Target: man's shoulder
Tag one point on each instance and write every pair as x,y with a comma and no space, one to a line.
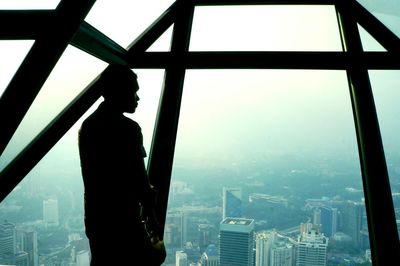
132,124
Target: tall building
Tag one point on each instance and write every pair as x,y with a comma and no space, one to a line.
175,229
210,256
9,254
205,235
311,248
231,202
236,242
83,258
8,240
282,254
264,241
352,220
181,258
29,244
273,249
329,220
50,212
21,259
317,216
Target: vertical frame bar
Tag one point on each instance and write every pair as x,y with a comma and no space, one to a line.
164,138
382,227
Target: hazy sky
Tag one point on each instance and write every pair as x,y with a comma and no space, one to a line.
221,110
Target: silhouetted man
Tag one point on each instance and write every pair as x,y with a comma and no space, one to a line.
114,176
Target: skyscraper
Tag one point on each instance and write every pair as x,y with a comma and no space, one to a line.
264,241
9,255
29,244
236,242
352,220
282,254
204,231
176,233
7,239
83,258
210,256
231,202
50,212
329,218
311,249
181,258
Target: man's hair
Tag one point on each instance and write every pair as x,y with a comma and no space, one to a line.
115,76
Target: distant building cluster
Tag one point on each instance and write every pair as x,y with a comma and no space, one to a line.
240,243
18,247
225,232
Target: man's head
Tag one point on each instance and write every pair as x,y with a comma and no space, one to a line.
120,88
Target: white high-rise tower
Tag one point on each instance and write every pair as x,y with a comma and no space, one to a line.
50,212
311,249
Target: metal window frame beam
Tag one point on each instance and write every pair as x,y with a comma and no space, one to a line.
24,162
166,126
154,31
263,2
24,24
373,26
94,42
105,49
33,153
31,75
383,236
174,76
266,60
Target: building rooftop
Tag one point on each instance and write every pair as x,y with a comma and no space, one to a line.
237,221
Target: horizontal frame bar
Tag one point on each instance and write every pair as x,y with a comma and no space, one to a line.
24,24
263,2
267,60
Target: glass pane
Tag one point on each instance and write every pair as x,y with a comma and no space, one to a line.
12,53
272,28
49,201
368,42
163,43
73,72
124,20
386,89
274,146
387,11
150,85
29,4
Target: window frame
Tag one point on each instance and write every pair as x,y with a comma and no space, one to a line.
384,241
